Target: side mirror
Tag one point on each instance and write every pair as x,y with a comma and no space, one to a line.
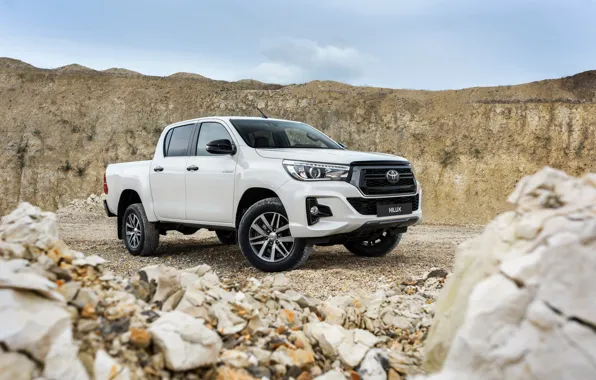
223,146
342,145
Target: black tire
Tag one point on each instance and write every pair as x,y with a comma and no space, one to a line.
147,236
227,237
298,253
378,248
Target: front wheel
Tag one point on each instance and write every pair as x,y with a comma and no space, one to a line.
265,238
376,246
140,236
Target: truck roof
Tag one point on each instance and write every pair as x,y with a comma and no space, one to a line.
226,118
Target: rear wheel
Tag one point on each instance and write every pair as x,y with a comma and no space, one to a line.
227,237
265,238
140,236
375,246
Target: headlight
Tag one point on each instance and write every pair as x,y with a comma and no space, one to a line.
313,171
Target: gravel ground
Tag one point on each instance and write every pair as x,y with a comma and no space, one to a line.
329,271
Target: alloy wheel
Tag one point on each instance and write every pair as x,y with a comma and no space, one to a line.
133,230
270,237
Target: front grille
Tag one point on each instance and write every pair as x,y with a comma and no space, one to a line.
367,206
373,181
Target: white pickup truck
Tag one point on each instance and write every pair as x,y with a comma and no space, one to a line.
275,187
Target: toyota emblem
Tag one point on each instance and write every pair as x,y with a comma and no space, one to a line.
392,176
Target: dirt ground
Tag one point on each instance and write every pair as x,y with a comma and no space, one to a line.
329,271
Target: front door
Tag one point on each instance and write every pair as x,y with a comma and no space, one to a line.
167,175
210,187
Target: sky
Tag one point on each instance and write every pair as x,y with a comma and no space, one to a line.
416,44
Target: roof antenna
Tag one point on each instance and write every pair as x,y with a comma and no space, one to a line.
264,116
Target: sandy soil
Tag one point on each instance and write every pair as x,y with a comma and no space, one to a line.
330,270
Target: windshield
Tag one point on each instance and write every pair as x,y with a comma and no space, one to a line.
281,134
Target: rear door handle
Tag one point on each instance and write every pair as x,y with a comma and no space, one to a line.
158,169
192,168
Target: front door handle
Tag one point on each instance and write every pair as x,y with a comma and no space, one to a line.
192,168
158,169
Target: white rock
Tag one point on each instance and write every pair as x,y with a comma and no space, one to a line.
192,299
15,366
238,359
332,375
528,309
372,365
365,337
62,362
261,355
85,296
351,353
227,321
106,368
92,260
332,313
328,336
29,226
186,342
16,274
30,322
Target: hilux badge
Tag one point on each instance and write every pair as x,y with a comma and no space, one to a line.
392,176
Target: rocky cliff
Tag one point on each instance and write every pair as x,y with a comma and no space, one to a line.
61,127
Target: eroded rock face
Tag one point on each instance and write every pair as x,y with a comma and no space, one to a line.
521,302
63,316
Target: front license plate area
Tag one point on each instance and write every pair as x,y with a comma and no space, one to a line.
396,209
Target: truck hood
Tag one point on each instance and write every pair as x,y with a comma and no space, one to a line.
332,156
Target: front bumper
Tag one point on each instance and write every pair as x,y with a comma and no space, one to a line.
334,194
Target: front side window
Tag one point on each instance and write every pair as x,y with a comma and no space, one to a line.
208,133
176,141
266,133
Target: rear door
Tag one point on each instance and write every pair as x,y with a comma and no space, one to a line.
210,188
168,172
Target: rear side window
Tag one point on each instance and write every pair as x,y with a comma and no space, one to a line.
208,133
177,140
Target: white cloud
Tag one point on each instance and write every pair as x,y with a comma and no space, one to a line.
292,60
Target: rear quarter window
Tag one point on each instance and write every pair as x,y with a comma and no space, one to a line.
177,141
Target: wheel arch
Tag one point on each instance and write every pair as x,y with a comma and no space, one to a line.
127,198
249,198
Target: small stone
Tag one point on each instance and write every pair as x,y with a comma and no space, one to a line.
89,312
84,297
85,326
299,357
140,337
332,375
157,361
236,358
106,368
305,375
393,375
436,273
227,373
260,372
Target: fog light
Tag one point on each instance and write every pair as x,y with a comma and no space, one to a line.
315,211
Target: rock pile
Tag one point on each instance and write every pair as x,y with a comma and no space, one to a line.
522,302
93,204
63,316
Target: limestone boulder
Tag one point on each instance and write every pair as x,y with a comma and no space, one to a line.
521,302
